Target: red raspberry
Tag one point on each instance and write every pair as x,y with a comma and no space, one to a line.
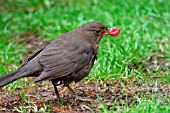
114,31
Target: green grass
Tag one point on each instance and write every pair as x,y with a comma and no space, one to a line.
144,31
152,105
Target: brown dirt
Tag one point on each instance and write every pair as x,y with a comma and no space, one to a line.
108,93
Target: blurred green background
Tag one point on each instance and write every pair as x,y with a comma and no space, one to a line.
144,38
144,24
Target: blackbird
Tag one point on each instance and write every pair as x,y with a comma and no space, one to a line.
70,57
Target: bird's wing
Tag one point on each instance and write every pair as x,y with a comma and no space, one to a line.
35,53
59,61
31,56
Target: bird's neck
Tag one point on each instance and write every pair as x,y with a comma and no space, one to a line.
93,41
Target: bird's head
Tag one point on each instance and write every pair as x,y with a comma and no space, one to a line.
95,30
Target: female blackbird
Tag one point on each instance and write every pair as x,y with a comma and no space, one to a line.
68,58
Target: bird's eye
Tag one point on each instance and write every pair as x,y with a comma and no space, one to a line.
97,31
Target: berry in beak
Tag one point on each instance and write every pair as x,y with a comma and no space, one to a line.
113,31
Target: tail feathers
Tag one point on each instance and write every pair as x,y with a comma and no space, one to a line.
8,78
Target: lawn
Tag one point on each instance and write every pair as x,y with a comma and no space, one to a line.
131,74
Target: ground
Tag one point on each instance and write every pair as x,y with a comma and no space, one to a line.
131,74
111,95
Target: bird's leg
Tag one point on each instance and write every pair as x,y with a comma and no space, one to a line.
56,92
76,96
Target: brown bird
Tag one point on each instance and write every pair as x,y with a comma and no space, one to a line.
68,58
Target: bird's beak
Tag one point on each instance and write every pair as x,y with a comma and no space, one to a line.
107,32
113,31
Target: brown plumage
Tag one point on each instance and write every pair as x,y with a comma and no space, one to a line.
68,58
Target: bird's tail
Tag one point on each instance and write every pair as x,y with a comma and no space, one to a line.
8,78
